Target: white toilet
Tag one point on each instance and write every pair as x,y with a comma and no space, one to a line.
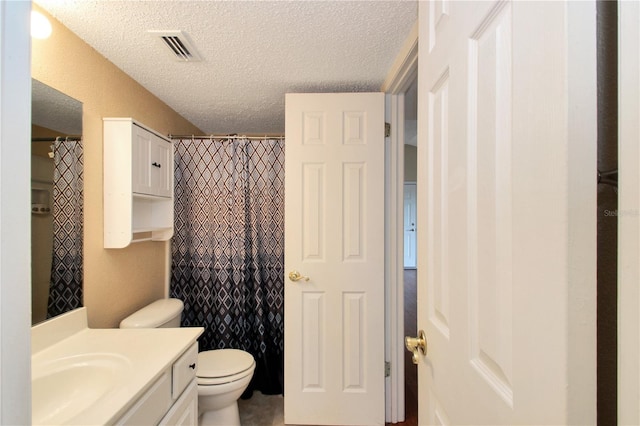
222,374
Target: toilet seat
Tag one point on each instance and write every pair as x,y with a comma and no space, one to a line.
220,366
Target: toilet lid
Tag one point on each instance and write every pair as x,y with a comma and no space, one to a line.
223,362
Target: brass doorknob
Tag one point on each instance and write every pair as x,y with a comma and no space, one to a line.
296,276
416,345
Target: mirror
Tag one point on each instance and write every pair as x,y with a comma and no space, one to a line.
53,114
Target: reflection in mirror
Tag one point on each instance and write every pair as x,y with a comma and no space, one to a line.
56,196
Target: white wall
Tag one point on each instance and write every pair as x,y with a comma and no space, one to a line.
15,276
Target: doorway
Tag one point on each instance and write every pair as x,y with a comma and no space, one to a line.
401,83
410,219
410,244
402,391
401,277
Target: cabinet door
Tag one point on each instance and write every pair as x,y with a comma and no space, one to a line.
161,167
152,161
141,160
185,411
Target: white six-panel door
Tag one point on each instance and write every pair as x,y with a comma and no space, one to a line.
334,235
507,204
410,228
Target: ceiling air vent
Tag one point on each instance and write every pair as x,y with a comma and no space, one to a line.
179,45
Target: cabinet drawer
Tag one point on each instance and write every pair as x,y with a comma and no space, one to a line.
184,370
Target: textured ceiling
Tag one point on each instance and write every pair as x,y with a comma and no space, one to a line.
55,110
253,51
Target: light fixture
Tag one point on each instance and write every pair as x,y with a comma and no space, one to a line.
40,25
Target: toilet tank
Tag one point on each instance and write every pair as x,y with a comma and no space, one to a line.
163,313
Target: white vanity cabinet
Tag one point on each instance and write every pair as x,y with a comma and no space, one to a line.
172,399
129,376
138,183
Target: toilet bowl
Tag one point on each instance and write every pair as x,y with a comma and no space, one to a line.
222,374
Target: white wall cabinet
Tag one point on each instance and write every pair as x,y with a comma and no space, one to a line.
138,183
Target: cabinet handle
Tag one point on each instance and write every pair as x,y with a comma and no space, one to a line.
192,366
156,164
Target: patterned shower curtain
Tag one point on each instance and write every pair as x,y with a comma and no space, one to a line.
65,290
228,248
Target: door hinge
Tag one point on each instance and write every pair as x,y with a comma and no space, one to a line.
387,130
387,369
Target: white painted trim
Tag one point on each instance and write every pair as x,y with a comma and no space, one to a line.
628,217
390,309
405,68
15,217
394,259
402,74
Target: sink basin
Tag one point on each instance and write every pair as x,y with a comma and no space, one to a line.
65,387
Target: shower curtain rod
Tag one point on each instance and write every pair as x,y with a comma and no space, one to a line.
226,137
52,139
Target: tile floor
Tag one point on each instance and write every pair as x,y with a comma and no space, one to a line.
262,410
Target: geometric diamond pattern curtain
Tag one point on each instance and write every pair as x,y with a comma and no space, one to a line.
65,290
228,248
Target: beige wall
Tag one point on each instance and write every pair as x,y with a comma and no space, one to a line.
42,149
116,281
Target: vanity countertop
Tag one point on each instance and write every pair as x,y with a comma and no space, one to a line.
136,357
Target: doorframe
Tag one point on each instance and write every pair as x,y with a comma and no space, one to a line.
403,72
628,205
